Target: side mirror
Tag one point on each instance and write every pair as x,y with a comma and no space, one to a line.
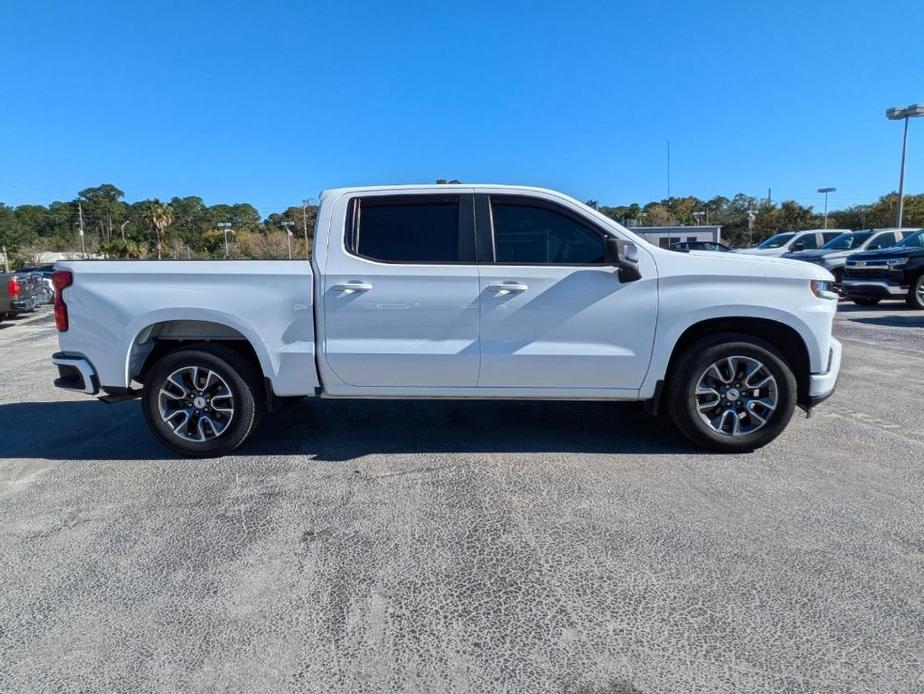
624,256
797,246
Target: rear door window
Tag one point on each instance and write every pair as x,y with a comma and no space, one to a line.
409,229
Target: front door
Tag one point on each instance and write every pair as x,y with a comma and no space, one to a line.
553,315
401,297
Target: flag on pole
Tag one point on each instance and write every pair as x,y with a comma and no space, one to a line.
289,232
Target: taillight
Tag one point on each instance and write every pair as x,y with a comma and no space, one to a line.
14,287
61,279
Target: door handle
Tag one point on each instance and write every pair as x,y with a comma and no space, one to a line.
352,286
506,287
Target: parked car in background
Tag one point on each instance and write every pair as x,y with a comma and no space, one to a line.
793,241
889,273
700,246
20,292
453,291
43,273
833,255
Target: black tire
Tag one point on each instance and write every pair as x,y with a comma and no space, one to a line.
242,381
693,363
915,298
859,301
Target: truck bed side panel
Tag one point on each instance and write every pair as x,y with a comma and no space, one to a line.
112,305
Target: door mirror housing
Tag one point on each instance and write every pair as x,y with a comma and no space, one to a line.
623,255
797,245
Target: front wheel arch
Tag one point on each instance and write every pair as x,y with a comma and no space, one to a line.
782,337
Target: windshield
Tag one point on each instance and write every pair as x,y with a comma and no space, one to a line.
916,240
847,241
777,241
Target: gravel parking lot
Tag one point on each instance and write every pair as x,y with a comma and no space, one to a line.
466,547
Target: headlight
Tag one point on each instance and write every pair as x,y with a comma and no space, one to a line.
823,289
895,262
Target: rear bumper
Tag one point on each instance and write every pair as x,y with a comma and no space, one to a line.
873,289
29,304
75,372
821,385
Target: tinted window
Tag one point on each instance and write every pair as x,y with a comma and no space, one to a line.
540,235
808,242
886,240
829,235
916,240
777,241
846,241
408,229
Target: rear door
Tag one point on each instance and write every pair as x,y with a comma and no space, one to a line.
401,295
553,315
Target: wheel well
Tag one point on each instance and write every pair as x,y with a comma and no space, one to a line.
783,337
160,339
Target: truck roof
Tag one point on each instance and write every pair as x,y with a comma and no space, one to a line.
447,187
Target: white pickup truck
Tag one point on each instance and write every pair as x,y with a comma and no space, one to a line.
453,291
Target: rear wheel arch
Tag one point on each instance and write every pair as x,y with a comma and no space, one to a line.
159,339
784,338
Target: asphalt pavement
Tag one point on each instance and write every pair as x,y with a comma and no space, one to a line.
464,546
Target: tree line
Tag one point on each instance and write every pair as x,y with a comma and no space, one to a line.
181,228
187,228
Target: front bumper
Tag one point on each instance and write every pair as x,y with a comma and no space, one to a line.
75,372
873,289
821,385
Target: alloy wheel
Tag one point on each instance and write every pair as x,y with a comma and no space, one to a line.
736,395
196,404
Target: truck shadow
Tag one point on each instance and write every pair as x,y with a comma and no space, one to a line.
330,430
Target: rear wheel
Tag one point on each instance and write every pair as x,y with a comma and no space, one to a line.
731,393
915,298
203,401
865,302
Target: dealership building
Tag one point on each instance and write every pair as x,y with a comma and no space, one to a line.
665,236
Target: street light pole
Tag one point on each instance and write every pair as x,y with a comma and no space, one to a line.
899,113
826,191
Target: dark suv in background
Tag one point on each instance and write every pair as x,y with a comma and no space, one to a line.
890,273
834,254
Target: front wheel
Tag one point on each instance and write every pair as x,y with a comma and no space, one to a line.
915,298
202,401
731,393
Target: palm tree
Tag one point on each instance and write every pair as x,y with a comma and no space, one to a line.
158,215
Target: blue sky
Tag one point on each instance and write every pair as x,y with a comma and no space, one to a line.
270,102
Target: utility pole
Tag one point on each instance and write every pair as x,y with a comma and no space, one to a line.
83,246
6,259
752,215
769,197
668,169
287,225
226,228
